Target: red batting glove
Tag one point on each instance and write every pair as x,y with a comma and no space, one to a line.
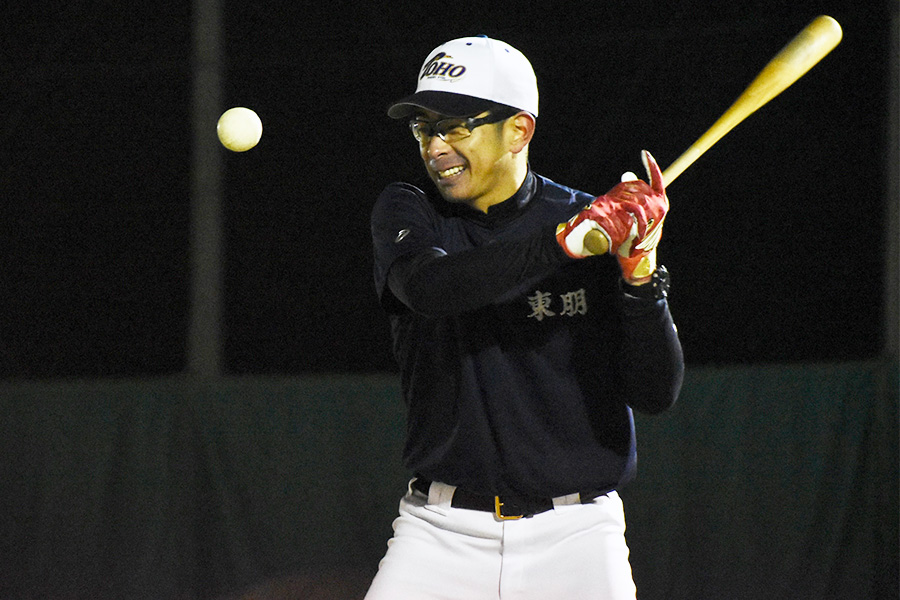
650,206
613,220
638,262
628,215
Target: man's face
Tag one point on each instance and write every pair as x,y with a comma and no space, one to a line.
477,170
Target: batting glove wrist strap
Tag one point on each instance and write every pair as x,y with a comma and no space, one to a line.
656,287
638,269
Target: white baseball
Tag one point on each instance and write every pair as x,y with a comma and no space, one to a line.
239,129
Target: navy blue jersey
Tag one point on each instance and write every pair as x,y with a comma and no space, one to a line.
519,365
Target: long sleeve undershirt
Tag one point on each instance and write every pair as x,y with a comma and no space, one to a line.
434,283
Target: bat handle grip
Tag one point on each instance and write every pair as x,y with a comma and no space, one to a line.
596,242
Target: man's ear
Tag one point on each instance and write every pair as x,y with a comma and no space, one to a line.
521,131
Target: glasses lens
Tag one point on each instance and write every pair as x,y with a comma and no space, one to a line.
452,130
420,129
449,130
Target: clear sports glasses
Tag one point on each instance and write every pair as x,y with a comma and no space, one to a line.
451,130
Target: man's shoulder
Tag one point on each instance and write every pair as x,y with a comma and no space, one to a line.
401,195
559,193
400,189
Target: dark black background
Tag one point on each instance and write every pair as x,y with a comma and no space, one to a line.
775,238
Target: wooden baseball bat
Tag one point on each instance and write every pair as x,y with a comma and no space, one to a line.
790,64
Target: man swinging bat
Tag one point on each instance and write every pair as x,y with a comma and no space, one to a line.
522,355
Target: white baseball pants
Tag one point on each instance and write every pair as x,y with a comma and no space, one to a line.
575,551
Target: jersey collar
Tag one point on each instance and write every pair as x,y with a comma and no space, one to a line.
507,210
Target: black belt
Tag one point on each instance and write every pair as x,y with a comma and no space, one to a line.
504,507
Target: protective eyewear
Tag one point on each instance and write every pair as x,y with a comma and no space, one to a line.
451,130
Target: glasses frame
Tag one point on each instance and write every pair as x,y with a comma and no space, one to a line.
426,130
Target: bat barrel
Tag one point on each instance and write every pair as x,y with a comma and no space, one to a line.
800,54
793,61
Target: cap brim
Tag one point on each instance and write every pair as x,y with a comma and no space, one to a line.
443,103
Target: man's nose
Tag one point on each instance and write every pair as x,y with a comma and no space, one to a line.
436,147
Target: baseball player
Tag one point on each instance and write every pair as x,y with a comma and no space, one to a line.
522,353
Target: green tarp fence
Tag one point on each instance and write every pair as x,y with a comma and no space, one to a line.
764,482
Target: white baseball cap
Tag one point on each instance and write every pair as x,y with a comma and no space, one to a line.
462,77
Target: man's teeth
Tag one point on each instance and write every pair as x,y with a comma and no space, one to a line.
450,172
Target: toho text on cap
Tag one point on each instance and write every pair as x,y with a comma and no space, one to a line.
461,77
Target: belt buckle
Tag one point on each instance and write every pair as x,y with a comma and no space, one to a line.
498,510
